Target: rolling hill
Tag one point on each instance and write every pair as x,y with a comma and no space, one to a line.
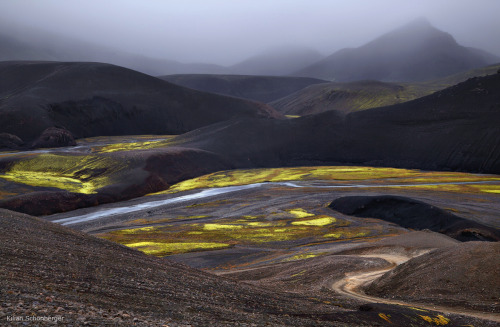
361,95
453,129
90,99
258,88
412,53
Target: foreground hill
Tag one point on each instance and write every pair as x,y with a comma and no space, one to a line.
91,99
454,129
258,88
414,52
51,271
361,95
461,274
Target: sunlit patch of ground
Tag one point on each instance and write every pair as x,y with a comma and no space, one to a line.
74,173
282,229
342,174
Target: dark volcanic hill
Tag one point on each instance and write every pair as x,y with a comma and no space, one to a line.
453,129
90,99
414,52
258,88
416,215
361,95
467,273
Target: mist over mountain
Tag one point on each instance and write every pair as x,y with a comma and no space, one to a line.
415,52
39,45
253,87
277,61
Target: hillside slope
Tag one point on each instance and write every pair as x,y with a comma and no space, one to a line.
414,52
361,95
258,88
454,129
91,99
50,270
465,274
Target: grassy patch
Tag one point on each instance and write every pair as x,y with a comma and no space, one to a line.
335,173
79,174
165,248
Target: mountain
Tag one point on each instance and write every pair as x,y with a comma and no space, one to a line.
43,46
90,99
258,88
361,95
415,52
277,61
453,129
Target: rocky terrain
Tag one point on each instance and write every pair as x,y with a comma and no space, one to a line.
465,275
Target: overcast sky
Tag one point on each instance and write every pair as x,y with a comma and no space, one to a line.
228,31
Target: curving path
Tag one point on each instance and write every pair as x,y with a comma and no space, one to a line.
353,283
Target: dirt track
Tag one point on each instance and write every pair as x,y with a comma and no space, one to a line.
354,282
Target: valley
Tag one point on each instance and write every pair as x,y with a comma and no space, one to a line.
352,185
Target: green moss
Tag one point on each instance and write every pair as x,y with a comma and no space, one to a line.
321,221
162,249
79,174
336,173
300,213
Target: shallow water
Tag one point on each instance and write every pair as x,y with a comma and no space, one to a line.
223,190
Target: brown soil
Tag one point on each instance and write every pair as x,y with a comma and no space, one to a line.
466,275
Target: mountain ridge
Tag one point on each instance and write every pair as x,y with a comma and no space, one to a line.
416,51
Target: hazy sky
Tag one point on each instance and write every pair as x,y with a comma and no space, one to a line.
228,31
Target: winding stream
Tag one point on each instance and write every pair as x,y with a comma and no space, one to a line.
223,190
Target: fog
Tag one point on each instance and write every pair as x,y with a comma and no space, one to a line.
228,31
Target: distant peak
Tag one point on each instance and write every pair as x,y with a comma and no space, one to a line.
421,23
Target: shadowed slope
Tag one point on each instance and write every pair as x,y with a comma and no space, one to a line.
258,88
413,214
454,129
90,99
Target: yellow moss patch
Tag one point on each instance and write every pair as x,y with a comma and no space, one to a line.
339,173
79,174
137,230
323,221
129,146
211,227
162,249
346,234
439,320
385,317
301,257
300,213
